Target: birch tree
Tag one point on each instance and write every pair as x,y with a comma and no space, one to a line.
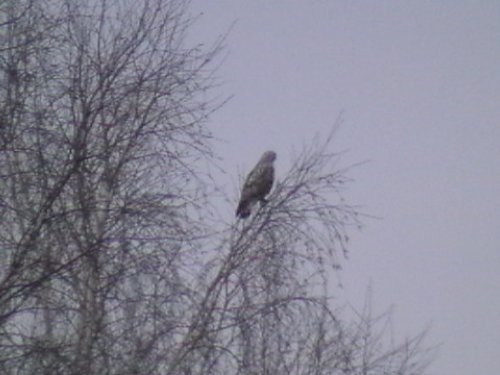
109,265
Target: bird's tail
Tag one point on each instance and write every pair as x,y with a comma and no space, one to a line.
243,210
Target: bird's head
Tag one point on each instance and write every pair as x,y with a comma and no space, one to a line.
268,157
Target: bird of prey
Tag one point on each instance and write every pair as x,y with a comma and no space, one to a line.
257,185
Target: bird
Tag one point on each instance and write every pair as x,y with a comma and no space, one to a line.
257,184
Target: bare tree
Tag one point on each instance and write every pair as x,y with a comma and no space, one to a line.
102,118
264,306
107,266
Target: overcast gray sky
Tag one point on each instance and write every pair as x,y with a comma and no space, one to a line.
419,83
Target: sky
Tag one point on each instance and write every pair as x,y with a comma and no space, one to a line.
419,87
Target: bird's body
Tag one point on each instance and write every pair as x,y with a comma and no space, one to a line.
257,185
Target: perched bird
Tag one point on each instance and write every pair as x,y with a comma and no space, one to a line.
257,185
